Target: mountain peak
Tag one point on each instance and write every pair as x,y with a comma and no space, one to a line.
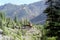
9,4
24,11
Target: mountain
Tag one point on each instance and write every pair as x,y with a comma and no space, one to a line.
33,11
41,19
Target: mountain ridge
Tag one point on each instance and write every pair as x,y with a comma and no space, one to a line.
30,11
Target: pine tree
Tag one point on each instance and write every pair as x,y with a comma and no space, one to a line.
53,14
15,19
2,20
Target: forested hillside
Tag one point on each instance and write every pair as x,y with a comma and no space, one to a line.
24,22
13,29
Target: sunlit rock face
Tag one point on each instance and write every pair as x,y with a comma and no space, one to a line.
33,32
5,38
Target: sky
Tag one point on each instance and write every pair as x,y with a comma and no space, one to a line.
18,2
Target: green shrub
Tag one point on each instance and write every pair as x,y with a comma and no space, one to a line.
51,38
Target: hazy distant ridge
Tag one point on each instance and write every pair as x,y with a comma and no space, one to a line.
33,11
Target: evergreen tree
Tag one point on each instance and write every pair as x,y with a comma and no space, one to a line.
15,19
2,19
53,14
